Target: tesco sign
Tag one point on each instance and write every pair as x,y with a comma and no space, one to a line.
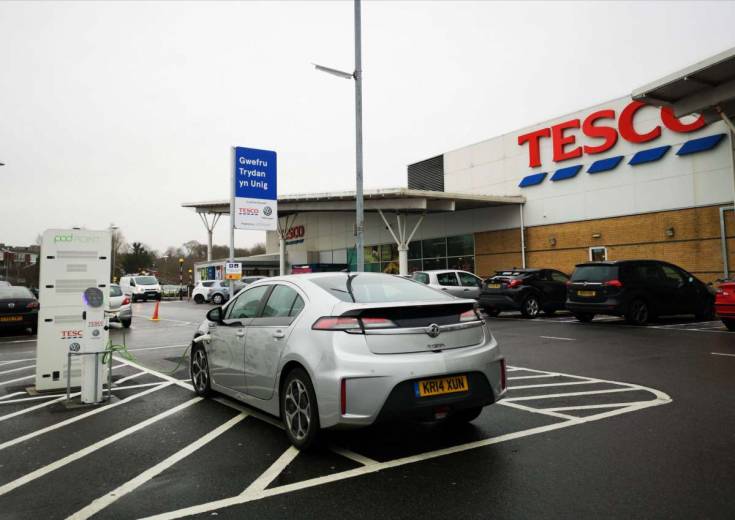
605,126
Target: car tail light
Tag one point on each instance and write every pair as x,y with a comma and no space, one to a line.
126,301
503,377
515,282
343,397
614,283
33,305
569,283
337,323
469,315
377,323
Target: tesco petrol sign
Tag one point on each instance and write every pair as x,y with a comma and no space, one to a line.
605,126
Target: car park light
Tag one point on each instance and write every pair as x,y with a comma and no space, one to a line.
515,282
613,283
126,301
377,323
470,315
337,323
343,396
33,305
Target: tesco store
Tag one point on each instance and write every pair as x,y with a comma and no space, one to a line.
619,180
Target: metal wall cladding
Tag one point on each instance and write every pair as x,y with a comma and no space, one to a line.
427,175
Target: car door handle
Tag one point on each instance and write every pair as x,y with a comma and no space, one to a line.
444,289
466,290
240,333
279,334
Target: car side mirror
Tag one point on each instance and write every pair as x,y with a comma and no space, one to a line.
215,315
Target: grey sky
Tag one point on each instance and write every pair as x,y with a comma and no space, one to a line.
118,112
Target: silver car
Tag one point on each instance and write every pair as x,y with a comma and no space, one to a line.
119,309
329,350
458,283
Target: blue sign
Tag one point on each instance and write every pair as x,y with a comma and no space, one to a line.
255,174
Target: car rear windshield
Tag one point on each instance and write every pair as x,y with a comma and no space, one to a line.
377,289
15,292
115,290
595,273
146,280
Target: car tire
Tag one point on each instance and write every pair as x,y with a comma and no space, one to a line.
133,298
198,299
638,312
466,415
491,312
584,317
126,323
530,307
299,409
730,324
199,372
33,330
218,299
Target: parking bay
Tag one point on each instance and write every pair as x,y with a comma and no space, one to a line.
160,450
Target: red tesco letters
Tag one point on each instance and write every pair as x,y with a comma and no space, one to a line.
595,127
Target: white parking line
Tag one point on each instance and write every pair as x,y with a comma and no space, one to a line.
16,369
542,411
8,396
104,501
722,354
592,381
275,469
157,348
532,377
3,363
558,338
58,425
592,406
40,472
355,457
16,380
570,394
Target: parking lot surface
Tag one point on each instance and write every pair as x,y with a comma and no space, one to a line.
600,419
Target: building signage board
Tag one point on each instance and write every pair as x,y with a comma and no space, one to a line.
255,190
233,271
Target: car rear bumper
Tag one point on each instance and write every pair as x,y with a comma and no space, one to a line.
499,301
122,314
382,386
725,310
27,320
610,306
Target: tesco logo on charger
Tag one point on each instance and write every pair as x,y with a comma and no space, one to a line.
249,211
605,126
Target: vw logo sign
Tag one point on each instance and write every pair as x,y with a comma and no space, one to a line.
267,211
433,330
74,347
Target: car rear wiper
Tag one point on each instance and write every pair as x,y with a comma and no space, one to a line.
350,277
343,291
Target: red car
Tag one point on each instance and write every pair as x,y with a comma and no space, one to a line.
725,304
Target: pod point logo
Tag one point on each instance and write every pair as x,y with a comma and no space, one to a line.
71,237
267,211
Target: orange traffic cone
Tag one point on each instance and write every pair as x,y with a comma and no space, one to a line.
155,312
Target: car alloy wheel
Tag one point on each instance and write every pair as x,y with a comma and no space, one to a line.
217,299
638,312
530,307
199,299
200,372
299,409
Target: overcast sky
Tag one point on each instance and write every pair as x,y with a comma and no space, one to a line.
119,112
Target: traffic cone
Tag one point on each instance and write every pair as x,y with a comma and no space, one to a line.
155,312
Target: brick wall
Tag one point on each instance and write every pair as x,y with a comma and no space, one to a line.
695,244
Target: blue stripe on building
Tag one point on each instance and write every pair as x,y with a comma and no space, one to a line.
566,173
532,180
604,165
701,144
650,155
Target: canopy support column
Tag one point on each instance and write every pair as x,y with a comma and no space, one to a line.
209,225
282,230
402,238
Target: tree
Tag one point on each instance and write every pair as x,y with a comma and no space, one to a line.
137,258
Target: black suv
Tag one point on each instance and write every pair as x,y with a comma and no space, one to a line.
525,290
640,290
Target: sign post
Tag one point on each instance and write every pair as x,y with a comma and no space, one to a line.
254,193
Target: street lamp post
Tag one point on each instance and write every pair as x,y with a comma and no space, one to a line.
181,276
357,76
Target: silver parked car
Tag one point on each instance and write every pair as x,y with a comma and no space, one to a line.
328,350
458,283
119,309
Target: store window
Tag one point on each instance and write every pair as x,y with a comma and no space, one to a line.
434,247
462,245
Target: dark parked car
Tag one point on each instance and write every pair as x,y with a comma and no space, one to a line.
18,309
640,290
525,290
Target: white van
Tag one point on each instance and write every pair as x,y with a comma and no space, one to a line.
140,287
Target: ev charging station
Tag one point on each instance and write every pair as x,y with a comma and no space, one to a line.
74,293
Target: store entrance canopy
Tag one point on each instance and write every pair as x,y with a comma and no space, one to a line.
401,201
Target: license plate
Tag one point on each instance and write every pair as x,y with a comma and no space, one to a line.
586,293
494,286
440,386
11,318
